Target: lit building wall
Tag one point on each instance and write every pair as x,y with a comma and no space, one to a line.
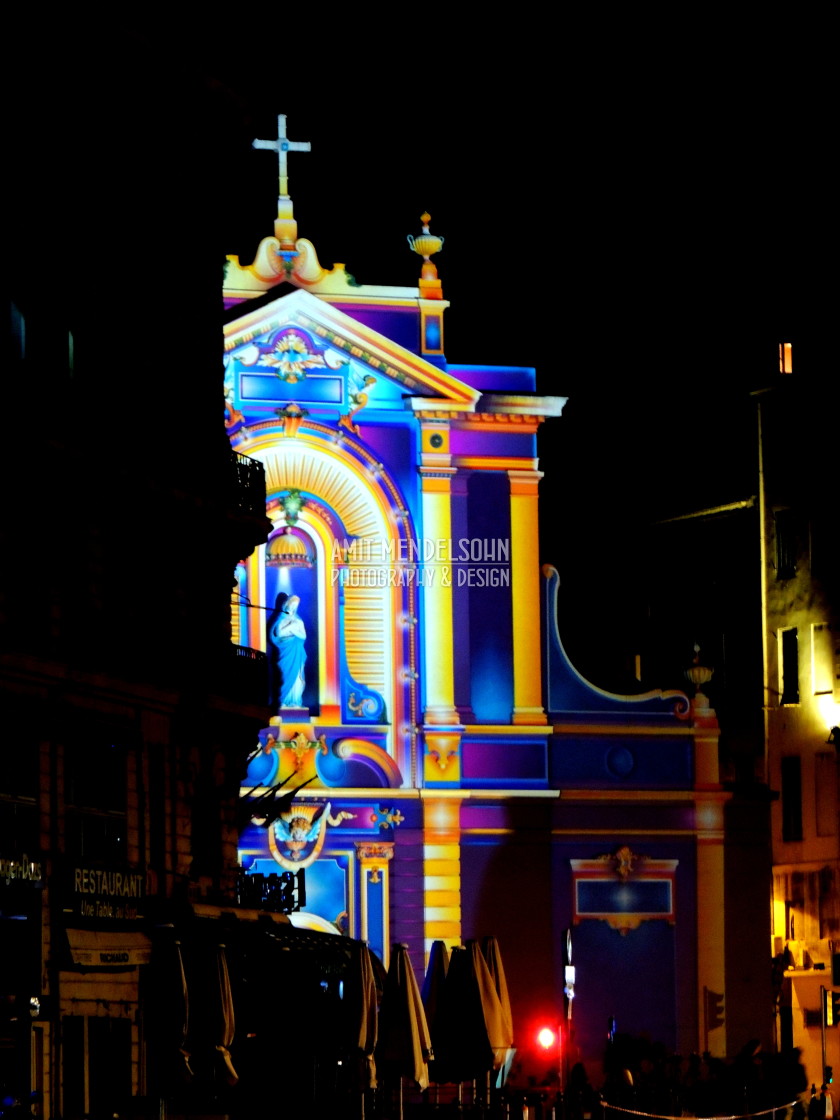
802,706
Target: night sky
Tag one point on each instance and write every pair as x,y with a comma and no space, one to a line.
644,235
641,212
643,232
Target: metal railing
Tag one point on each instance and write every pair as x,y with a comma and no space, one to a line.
248,491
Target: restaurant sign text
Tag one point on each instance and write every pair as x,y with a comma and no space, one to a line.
100,894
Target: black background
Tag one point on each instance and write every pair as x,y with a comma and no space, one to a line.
641,209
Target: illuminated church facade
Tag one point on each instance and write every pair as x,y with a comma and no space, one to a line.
456,775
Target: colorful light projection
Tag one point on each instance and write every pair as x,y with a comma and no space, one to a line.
405,523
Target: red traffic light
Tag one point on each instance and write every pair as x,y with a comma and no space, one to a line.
547,1037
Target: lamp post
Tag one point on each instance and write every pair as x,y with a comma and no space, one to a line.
699,675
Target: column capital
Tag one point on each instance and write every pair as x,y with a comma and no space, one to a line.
524,482
436,470
374,850
374,856
442,755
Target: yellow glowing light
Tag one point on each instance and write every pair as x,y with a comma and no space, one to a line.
829,712
442,814
709,816
785,357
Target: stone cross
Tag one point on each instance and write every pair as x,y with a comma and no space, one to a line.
281,146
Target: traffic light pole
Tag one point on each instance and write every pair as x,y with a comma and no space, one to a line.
705,1019
823,997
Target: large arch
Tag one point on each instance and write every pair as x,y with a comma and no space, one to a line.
351,499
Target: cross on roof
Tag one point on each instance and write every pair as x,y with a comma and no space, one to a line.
281,146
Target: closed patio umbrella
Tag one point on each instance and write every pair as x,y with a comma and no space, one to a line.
476,1027
435,977
496,1021
502,1032
404,1045
225,1022
169,1013
465,1052
432,995
362,1001
211,1023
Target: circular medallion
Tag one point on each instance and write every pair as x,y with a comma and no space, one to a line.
620,761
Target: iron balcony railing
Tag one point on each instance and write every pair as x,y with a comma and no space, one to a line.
250,654
249,484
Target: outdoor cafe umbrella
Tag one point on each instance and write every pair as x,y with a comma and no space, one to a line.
432,995
473,1029
501,1035
463,1049
361,1001
225,1022
169,1011
435,977
404,1046
211,1023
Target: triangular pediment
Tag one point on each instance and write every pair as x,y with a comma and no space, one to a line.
299,347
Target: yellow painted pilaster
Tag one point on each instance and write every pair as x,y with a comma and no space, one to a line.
237,607
706,735
438,577
441,871
525,598
711,919
256,637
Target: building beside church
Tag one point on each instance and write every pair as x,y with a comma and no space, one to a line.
761,562
800,594
124,703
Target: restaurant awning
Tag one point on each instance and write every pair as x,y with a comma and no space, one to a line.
98,948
